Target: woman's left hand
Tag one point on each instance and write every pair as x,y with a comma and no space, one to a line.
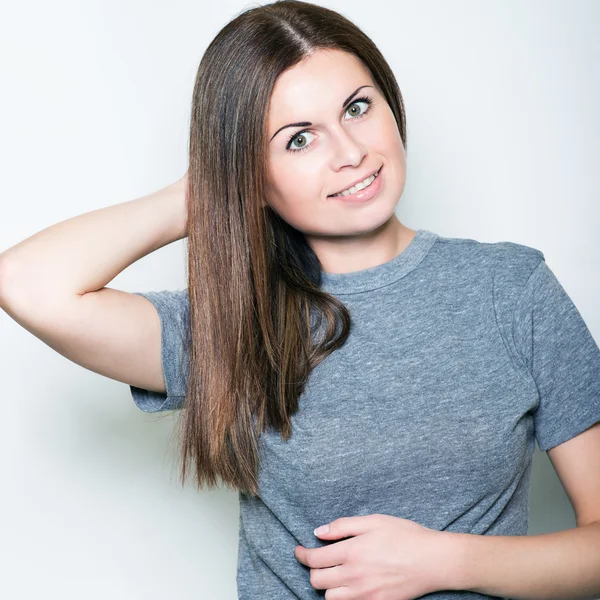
385,558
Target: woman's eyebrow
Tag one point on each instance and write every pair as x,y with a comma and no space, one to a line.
308,124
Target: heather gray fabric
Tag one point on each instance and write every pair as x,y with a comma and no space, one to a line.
461,356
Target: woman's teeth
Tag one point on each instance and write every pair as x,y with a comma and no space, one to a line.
359,186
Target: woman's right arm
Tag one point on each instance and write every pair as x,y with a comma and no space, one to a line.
54,285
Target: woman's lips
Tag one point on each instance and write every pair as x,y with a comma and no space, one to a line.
364,194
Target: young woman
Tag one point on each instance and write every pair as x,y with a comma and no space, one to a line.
330,363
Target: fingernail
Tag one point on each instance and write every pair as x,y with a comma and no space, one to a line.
321,530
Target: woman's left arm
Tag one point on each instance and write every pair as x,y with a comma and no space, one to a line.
553,566
564,565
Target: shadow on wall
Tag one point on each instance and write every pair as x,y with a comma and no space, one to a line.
549,507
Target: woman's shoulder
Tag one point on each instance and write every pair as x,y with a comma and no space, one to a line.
498,257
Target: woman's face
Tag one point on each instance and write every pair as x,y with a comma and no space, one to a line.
342,144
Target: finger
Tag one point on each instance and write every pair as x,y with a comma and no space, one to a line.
326,556
328,578
345,527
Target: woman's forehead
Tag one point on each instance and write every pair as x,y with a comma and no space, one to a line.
319,83
318,72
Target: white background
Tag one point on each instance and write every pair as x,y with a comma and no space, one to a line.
502,105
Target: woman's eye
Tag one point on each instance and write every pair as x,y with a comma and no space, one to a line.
301,135
360,114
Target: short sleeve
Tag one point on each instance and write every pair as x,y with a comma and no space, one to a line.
173,312
562,357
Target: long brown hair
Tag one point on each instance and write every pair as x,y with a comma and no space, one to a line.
253,280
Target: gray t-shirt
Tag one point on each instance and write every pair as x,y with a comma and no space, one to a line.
462,355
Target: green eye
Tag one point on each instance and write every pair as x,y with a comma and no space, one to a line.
357,102
300,134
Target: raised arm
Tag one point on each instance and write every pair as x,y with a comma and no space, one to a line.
54,285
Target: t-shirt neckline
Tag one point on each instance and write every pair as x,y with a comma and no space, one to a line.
383,274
